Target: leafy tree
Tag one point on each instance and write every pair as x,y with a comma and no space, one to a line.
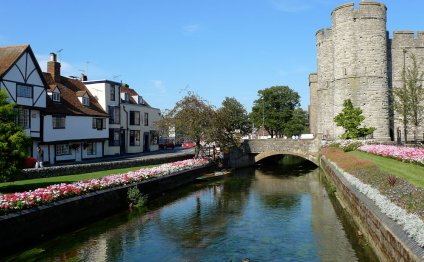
414,85
350,119
274,109
408,99
231,122
298,124
192,117
13,141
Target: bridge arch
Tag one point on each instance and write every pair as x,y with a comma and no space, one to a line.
263,155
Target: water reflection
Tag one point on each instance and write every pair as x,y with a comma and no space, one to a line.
266,214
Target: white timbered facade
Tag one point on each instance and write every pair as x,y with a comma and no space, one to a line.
21,78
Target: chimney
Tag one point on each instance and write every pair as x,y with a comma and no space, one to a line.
53,68
83,77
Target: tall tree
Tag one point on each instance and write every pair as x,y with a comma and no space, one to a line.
274,109
351,119
408,99
231,123
414,85
192,117
13,141
298,124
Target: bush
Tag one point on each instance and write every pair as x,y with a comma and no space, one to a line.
135,197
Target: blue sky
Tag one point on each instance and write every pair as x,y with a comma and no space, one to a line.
163,48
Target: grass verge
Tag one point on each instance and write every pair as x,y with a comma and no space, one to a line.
399,190
31,184
411,172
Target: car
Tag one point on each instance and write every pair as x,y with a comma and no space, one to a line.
166,143
188,144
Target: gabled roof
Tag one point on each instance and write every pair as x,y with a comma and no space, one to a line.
69,102
9,55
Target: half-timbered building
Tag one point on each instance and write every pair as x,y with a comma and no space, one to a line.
21,78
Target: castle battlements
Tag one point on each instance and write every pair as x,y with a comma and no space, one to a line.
323,35
408,39
357,60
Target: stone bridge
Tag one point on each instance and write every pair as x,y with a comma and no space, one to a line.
257,149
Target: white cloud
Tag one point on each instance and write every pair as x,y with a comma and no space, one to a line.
159,86
290,6
190,29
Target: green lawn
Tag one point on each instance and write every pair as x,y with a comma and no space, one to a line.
410,172
24,185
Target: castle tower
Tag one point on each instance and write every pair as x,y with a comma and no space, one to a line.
325,80
352,64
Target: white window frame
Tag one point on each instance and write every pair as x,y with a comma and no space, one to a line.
23,91
135,134
62,150
59,122
56,97
91,149
85,101
22,118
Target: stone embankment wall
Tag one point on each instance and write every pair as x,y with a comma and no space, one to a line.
41,223
387,238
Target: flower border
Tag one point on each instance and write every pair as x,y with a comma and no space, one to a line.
23,200
411,223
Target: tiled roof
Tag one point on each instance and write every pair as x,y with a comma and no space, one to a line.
80,93
131,92
9,55
69,103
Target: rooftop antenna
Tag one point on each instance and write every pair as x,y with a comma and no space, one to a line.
115,76
86,67
58,54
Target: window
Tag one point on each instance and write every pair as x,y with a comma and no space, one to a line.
115,115
85,101
112,93
24,91
134,137
154,137
134,118
91,149
58,122
146,119
99,123
63,149
56,97
114,134
22,118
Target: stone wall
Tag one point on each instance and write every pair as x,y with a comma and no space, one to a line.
403,45
387,238
21,229
356,60
313,84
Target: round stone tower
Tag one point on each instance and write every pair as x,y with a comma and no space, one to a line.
325,87
360,63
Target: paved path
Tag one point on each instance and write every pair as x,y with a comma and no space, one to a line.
146,155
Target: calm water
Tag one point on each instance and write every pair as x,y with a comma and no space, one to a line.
264,214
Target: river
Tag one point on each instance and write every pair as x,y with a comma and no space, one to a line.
266,213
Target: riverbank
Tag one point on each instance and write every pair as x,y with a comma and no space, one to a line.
40,223
389,240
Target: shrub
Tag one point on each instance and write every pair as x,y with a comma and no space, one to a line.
135,197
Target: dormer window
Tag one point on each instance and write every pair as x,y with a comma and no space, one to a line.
85,101
56,97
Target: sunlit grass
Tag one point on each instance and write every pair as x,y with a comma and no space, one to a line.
31,184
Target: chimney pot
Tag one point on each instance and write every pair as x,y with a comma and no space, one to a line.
83,77
53,57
